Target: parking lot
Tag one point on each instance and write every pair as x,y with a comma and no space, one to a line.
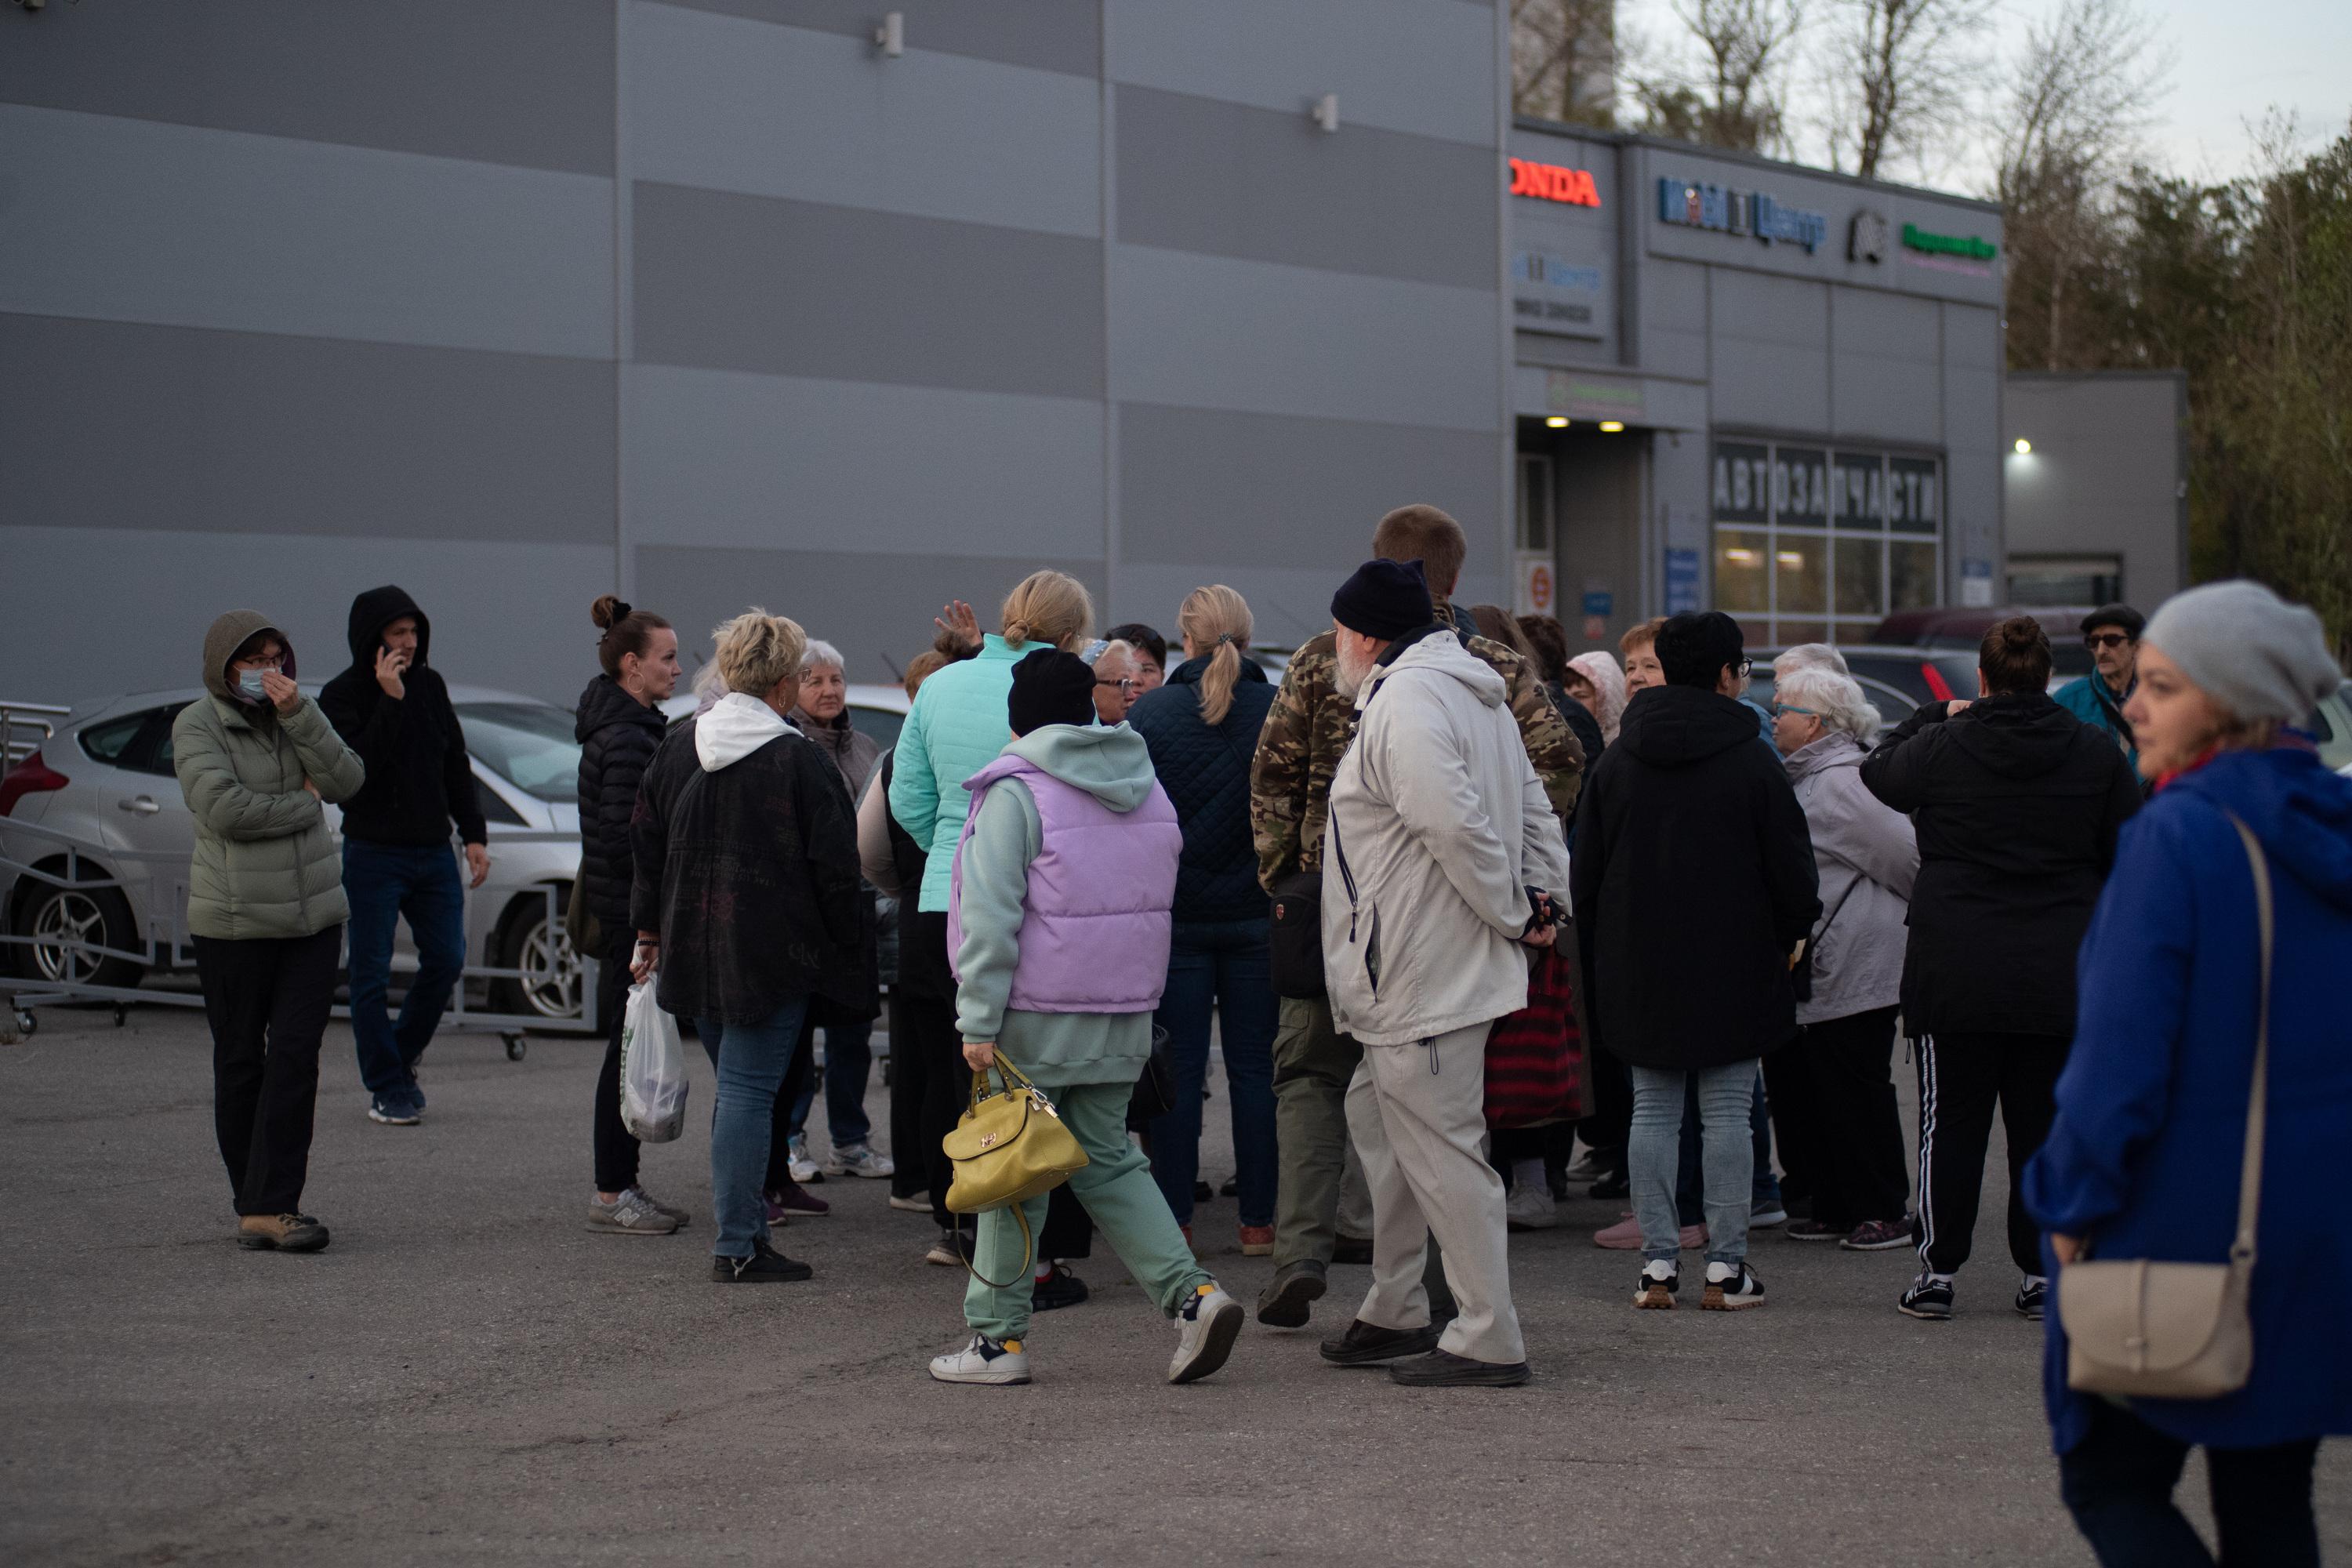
468,1376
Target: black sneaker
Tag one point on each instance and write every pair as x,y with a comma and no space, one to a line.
1731,1288
1610,1187
766,1265
1201,1192
1365,1346
1295,1288
1655,1291
1814,1230
1443,1369
1927,1298
1352,1250
2032,1298
1060,1287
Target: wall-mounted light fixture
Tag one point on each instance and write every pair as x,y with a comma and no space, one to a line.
890,38
2022,448
1558,422
1327,111
1612,426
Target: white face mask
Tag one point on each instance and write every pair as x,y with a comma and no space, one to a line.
249,687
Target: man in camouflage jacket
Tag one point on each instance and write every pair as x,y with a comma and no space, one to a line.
1290,785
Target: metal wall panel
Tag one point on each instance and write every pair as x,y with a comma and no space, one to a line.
736,282
507,615
722,457
1216,333
876,608
735,105
1198,174
1884,381
1287,603
110,425
1402,65
2105,476
527,82
1050,35
1674,306
131,220
1771,360
1211,488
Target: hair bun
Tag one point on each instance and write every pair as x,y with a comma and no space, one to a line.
609,611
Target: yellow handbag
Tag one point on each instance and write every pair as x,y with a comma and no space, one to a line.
1009,1146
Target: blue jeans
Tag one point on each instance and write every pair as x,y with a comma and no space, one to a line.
1655,1146
1765,1185
1219,967
385,883
750,1059
848,1060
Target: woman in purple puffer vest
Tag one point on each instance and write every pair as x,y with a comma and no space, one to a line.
1058,922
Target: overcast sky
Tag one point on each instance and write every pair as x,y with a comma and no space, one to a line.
2233,61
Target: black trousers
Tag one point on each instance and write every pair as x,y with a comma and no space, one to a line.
267,999
616,1151
1961,1077
779,1127
1611,1121
927,1015
1838,1116
910,1079
2118,1484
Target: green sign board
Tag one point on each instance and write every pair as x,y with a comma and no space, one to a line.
1969,246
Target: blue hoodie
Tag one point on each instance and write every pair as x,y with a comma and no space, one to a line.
2144,1156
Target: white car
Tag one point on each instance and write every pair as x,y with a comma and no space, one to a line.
878,712
104,778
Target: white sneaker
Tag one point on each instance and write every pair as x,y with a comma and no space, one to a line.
918,1204
858,1160
1730,1287
1205,1332
983,1361
1654,1292
1530,1207
804,1169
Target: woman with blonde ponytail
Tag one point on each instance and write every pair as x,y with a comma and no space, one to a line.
1202,727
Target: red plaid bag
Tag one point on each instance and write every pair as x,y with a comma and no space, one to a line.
1535,1058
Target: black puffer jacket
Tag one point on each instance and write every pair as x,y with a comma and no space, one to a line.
418,780
1693,879
617,736
2016,803
1206,769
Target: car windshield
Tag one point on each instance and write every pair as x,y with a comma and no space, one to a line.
878,725
528,745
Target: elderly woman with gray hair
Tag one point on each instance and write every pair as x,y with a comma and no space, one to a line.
1832,1091
747,903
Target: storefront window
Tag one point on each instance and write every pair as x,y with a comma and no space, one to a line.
1818,544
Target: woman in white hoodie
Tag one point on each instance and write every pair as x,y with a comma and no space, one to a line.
747,903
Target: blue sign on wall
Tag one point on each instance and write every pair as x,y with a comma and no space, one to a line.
1601,603
1682,581
1749,213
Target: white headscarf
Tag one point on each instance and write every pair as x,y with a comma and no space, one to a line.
1608,689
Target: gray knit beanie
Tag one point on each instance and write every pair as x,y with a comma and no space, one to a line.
2252,652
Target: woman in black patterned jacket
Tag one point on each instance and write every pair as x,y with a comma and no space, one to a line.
618,727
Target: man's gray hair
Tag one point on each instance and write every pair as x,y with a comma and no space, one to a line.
1835,700
1809,655
1094,651
820,655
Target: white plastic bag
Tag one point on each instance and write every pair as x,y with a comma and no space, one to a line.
653,1070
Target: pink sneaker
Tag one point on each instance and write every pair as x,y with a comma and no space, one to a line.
1693,1237
1625,1236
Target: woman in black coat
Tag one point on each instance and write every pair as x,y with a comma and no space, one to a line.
2017,804
747,903
618,727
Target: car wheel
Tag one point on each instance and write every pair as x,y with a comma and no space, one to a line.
539,947
55,916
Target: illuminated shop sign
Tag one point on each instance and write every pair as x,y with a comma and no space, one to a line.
1552,183
1553,293
1967,247
1746,213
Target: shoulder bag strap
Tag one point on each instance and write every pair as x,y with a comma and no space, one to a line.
2249,1177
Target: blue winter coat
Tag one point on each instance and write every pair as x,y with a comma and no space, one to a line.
1206,769
960,723
2143,1158
2090,700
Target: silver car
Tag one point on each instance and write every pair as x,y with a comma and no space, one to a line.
104,779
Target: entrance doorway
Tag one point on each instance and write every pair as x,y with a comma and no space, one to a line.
1580,511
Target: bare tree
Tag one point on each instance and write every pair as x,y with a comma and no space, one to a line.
1737,97
2075,109
1564,60
1898,74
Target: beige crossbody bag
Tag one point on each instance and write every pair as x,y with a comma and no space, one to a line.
2178,1330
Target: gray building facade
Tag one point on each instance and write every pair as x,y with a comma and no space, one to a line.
2096,481
718,302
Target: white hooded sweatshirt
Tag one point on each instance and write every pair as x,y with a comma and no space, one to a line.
734,727
1438,825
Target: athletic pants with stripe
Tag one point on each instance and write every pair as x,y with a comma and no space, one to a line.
1961,1077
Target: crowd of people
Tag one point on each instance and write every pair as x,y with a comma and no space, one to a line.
1091,864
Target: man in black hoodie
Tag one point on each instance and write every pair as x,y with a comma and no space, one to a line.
394,711
1693,881
2017,804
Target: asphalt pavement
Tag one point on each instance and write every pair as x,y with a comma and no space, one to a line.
468,1376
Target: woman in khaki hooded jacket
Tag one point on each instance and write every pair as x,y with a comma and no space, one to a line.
255,758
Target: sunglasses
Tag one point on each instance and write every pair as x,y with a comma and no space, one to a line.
1780,708
2105,639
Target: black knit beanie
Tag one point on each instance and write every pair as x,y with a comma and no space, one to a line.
1384,599
1050,686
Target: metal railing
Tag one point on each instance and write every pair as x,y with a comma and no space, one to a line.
155,883
24,726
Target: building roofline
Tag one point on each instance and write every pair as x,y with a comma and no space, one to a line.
2174,374
1755,159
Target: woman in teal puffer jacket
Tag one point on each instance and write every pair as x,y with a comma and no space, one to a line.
255,759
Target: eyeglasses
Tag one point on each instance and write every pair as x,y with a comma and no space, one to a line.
1125,686
1780,708
1742,667
2097,641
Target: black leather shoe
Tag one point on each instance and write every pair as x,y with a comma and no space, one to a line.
1610,1187
1365,1346
1352,1250
1443,1369
1285,1302
766,1265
